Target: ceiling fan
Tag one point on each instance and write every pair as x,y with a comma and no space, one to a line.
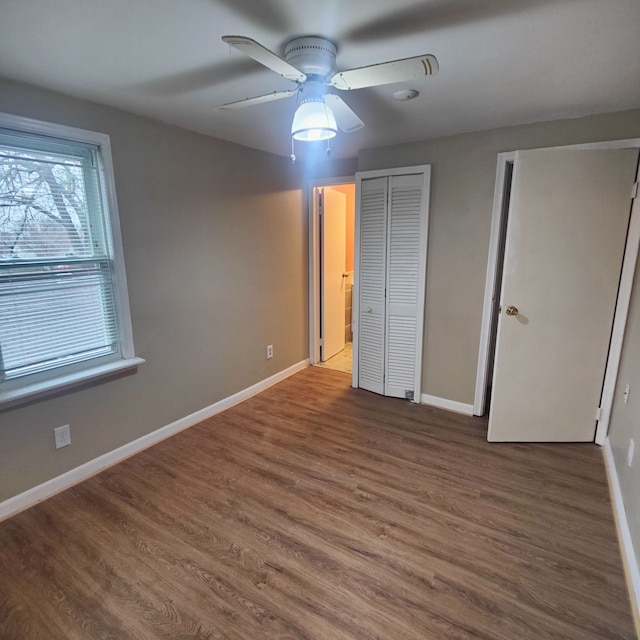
310,62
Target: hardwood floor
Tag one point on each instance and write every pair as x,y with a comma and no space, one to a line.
314,511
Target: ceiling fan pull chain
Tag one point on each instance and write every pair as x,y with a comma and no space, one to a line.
293,155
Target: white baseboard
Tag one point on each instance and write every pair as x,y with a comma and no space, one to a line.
22,501
451,405
629,559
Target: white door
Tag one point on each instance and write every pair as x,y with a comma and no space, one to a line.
565,243
392,218
406,264
370,284
333,217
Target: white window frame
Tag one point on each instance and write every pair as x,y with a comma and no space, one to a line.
31,387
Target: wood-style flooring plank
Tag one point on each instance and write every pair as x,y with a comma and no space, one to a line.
316,511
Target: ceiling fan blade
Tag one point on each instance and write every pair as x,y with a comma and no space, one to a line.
386,73
265,57
248,102
346,118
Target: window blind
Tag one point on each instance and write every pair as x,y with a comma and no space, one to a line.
57,298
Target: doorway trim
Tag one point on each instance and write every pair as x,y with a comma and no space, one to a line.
624,290
314,260
491,283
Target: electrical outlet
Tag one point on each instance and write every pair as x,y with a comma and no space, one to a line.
631,451
269,351
625,395
62,436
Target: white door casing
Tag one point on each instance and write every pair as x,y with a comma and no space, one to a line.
565,243
314,188
333,219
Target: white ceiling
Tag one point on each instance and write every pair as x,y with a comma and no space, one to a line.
502,62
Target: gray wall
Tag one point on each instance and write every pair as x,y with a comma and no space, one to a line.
215,241
462,184
625,418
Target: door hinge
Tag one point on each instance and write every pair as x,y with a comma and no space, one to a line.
599,413
634,191
322,342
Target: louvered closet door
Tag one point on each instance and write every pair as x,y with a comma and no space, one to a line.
371,285
392,221
406,253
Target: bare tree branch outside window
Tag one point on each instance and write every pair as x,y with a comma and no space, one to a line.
43,209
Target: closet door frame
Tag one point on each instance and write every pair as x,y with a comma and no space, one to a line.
425,170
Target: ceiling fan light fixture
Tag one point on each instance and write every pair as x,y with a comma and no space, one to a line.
312,121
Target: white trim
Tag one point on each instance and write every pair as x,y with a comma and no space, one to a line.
620,320
422,283
491,285
121,290
395,171
29,498
52,129
46,387
314,260
629,559
451,405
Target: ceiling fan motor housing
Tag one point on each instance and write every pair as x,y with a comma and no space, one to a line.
312,55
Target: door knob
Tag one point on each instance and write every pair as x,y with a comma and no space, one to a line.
512,311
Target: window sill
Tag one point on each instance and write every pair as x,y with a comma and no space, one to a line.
13,397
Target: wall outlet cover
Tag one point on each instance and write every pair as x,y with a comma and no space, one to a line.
62,436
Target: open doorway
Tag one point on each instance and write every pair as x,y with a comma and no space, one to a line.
332,251
495,309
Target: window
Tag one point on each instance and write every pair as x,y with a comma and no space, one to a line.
64,312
